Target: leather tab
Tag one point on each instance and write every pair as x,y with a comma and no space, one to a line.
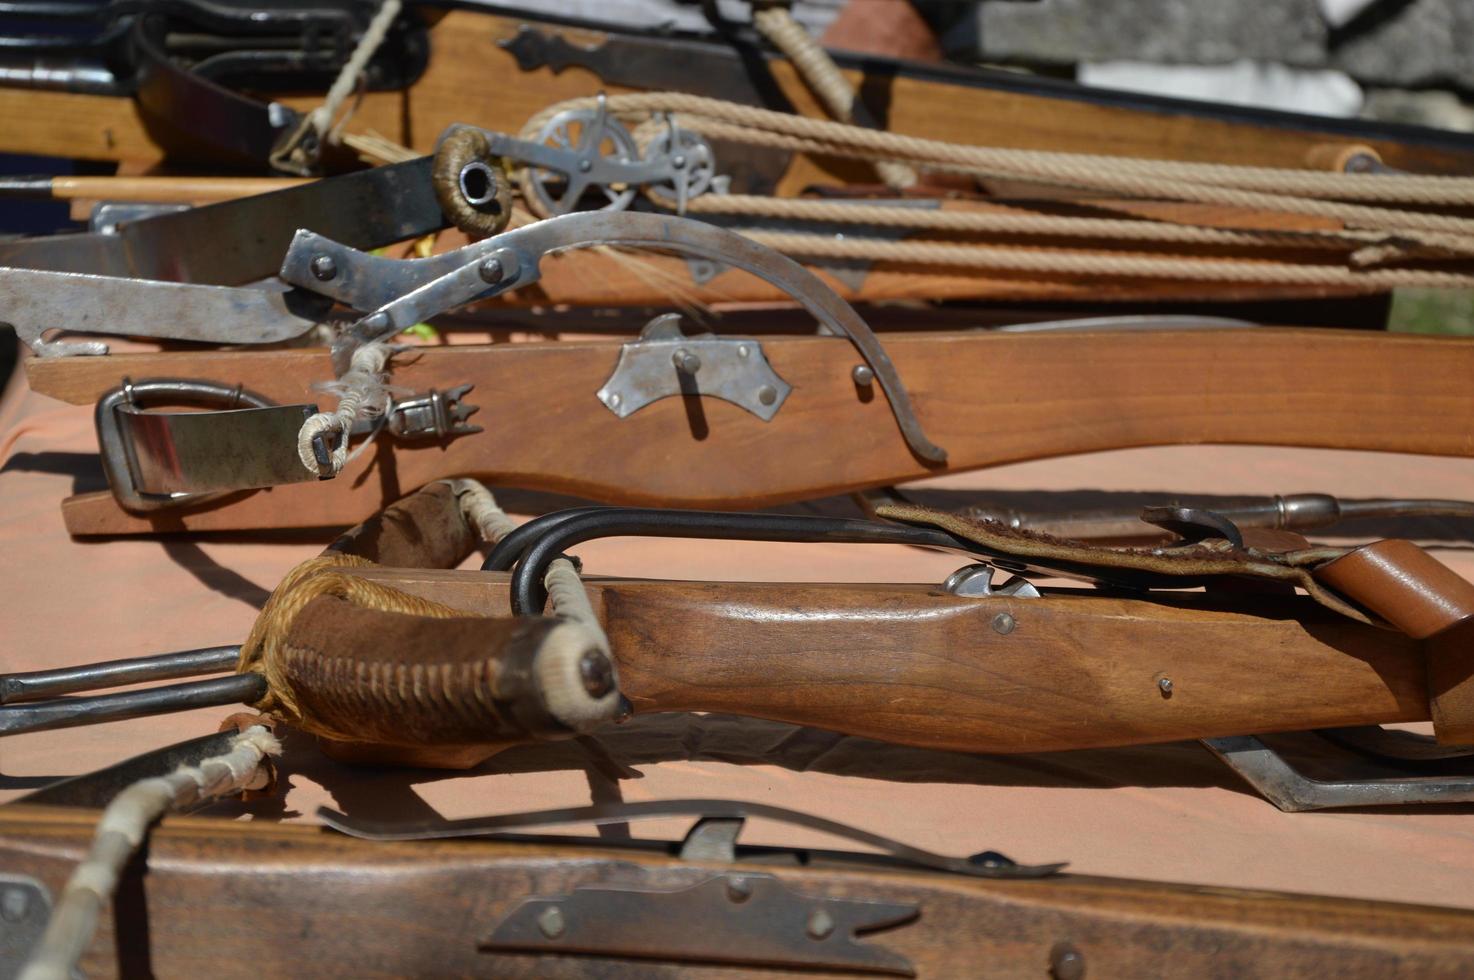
1427,600
423,530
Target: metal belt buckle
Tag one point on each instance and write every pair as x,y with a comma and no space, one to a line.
157,459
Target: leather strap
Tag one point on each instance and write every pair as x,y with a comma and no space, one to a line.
1427,600
423,530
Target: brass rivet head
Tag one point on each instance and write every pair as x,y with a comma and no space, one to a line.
596,672
1164,684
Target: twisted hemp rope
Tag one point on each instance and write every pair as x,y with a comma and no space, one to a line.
1371,234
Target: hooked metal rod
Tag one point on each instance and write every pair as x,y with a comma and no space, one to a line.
40,716
528,594
116,673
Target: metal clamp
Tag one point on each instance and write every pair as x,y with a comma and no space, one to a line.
403,292
155,460
433,415
664,363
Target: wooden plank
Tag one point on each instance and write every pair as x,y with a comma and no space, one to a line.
465,54
986,398
210,889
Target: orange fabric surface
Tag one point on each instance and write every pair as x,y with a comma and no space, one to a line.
1163,812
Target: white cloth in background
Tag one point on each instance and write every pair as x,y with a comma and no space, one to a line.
1264,86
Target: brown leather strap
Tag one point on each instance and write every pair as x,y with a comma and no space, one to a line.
423,530
393,678
1427,600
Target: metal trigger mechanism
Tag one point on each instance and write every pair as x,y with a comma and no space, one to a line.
395,294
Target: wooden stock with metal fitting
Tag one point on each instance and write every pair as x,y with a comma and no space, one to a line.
1027,396
209,889
914,665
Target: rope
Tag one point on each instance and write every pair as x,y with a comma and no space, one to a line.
1021,223
567,597
301,149
481,510
822,75
121,831
361,392
1102,264
1120,175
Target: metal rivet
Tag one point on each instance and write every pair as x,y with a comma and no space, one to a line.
585,165
863,374
1164,684
685,361
324,268
597,673
490,270
1004,623
1066,962
551,922
614,400
14,904
739,889
742,350
377,321
821,925
678,161
767,394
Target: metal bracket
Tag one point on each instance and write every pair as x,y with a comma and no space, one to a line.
734,918
25,908
154,460
976,582
664,363
1400,780
403,292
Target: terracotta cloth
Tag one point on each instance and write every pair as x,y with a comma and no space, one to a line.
1163,812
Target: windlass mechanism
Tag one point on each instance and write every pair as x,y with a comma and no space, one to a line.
576,151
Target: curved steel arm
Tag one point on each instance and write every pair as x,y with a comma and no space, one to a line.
987,864
403,292
528,594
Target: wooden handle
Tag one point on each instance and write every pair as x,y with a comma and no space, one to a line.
914,665
389,678
424,530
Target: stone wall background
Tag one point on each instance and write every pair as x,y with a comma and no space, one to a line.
1411,60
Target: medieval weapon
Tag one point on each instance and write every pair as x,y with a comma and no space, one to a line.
831,433
602,908
964,666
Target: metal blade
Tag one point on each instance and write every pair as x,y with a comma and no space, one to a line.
38,302
240,241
